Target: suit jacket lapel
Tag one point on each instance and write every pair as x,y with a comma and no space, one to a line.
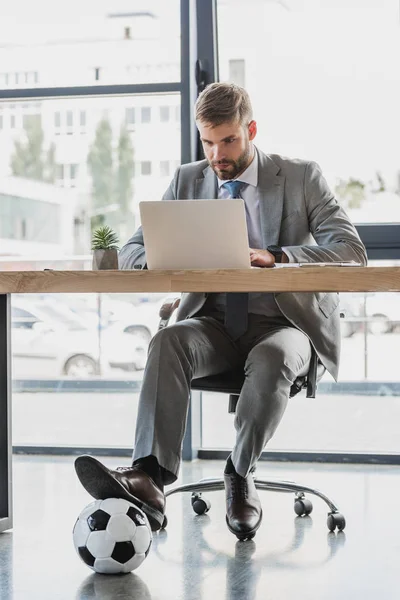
206,188
270,191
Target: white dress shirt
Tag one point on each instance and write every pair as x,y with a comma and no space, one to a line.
260,303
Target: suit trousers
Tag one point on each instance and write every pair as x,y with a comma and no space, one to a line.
272,353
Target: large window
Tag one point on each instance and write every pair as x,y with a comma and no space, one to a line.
90,125
325,83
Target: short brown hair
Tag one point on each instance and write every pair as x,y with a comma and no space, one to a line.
223,103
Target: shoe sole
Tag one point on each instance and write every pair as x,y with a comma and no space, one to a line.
101,484
249,534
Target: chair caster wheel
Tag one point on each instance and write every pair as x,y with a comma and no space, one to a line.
245,538
200,505
336,520
303,507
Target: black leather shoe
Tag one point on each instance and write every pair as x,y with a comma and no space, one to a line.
243,507
130,483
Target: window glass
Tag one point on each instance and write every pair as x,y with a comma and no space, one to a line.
130,116
324,79
67,350
343,416
164,168
89,43
145,167
57,185
67,165
43,218
54,190
164,114
146,114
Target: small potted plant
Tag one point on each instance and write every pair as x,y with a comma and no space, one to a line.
105,249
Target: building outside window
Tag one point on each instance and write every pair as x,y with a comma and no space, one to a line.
237,73
70,118
145,167
164,168
164,114
130,116
145,114
67,175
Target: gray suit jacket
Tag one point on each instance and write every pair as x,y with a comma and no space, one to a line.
298,211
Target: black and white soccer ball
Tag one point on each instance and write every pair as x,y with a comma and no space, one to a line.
112,536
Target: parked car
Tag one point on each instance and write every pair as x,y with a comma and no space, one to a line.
143,316
150,315
379,311
383,312
50,341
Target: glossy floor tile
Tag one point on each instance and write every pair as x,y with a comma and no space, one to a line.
197,558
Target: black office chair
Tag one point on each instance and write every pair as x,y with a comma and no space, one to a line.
231,383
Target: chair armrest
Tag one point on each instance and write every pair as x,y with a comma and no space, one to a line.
166,311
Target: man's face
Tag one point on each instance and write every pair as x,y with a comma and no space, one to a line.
228,147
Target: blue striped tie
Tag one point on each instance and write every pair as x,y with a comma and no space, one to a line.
237,303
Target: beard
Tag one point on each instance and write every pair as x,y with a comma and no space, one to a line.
232,168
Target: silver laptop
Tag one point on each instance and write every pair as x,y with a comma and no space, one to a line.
195,234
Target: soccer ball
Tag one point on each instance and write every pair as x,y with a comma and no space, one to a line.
112,536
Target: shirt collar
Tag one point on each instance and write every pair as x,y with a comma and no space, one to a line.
250,175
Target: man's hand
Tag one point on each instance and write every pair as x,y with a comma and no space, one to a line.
264,258
261,258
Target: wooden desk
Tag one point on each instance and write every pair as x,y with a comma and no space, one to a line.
285,279
301,279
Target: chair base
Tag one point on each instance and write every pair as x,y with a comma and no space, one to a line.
302,505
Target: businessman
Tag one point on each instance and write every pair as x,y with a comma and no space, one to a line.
292,216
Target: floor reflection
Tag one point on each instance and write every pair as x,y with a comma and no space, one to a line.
110,587
242,569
